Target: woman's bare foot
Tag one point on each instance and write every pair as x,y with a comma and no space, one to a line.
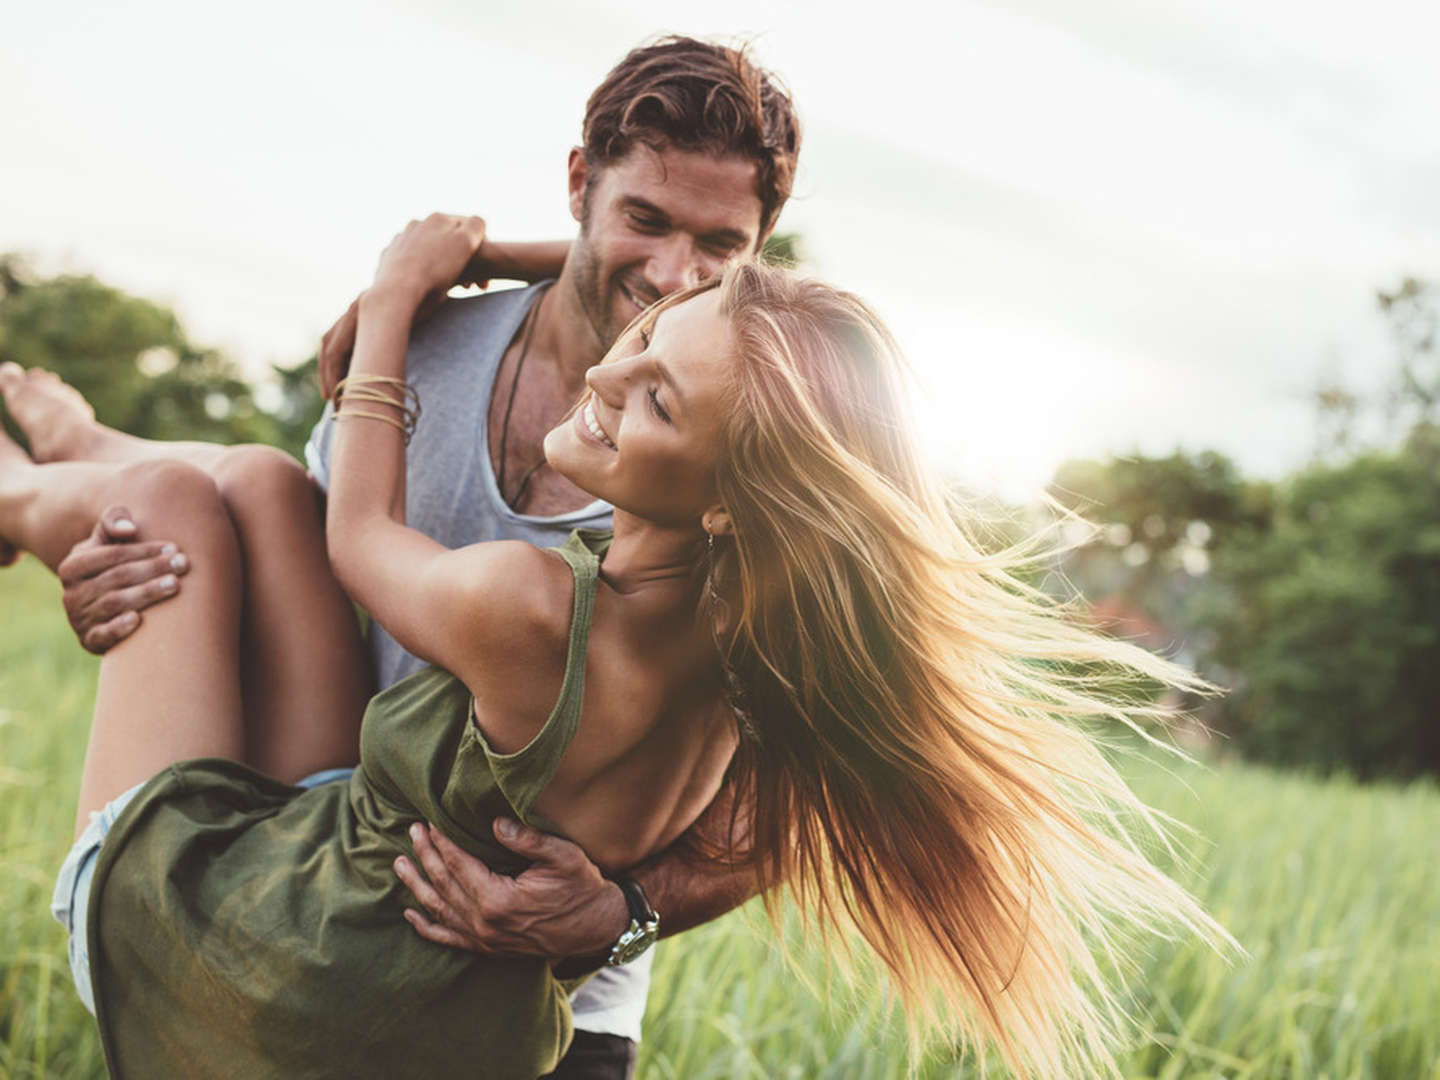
60,426
56,420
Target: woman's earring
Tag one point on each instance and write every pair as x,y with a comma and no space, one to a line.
734,688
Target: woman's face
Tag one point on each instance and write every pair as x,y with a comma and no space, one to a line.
646,435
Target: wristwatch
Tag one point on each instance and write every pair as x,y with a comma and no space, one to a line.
644,926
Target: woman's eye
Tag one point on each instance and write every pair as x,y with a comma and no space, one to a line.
659,409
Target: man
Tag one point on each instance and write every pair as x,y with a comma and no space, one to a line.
689,154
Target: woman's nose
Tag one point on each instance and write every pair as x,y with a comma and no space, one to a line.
607,381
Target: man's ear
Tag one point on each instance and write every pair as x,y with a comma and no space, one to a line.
716,521
579,177
763,237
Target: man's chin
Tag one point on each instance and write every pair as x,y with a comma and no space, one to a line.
622,314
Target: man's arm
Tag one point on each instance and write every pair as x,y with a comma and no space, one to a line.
561,906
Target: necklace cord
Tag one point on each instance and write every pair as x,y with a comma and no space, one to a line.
531,319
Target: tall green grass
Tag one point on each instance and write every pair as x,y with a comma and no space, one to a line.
1333,889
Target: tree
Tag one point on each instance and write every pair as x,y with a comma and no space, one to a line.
1315,600
1330,619
1161,522
135,365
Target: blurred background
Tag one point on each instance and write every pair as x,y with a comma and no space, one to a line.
1173,265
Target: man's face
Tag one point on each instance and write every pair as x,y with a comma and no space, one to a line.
654,222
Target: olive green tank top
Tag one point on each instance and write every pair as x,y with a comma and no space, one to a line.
241,927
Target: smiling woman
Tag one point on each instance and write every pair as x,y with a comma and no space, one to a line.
645,435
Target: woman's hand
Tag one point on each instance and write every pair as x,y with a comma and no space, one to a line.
429,257
530,261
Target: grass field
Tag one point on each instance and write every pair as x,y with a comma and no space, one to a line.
1333,889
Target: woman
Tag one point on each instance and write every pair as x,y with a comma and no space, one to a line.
786,597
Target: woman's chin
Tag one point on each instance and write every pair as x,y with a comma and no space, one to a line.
567,459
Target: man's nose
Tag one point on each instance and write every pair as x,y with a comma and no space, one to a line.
675,265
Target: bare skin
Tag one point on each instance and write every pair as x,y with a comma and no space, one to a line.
193,650
292,717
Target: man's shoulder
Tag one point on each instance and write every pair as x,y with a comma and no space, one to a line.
469,324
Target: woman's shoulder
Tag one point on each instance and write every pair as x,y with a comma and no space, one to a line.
524,607
519,592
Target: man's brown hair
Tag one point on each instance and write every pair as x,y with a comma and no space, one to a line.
695,95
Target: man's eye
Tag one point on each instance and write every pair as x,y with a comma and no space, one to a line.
659,409
721,249
647,224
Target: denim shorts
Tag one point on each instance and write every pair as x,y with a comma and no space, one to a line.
71,903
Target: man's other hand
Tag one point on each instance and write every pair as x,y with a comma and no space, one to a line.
559,907
111,576
511,261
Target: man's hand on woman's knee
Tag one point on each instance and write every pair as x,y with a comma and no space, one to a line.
112,575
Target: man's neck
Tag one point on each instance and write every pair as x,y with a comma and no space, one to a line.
565,336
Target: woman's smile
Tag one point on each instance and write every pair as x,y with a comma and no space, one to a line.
591,424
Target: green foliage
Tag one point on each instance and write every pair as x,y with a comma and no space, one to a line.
783,249
1163,521
1330,621
131,360
1315,600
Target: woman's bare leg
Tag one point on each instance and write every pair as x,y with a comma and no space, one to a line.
45,509
173,692
305,669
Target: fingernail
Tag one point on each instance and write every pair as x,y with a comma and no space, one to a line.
416,831
168,582
178,562
168,549
124,523
505,827
128,620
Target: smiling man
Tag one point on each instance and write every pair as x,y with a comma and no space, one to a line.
689,153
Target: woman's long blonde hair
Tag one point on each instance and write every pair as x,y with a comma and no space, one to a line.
918,765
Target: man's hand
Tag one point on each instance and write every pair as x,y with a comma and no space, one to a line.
435,266
111,576
561,906
517,262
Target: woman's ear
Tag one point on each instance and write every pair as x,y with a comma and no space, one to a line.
716,521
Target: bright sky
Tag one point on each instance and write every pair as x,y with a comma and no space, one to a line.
1095,227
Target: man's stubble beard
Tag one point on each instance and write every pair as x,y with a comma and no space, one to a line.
591,292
